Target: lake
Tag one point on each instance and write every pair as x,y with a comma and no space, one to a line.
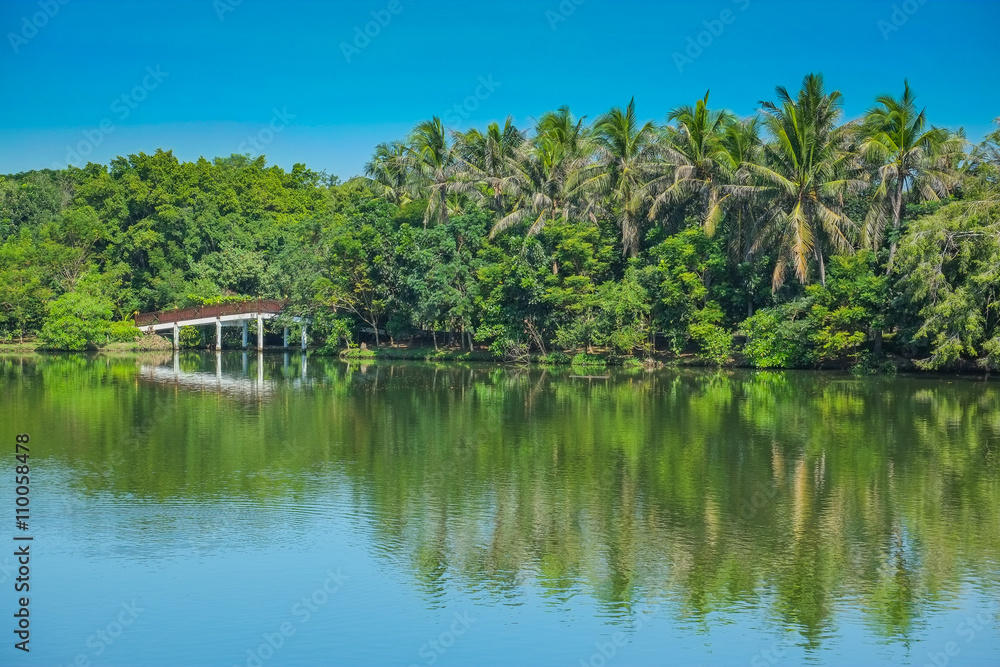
197,509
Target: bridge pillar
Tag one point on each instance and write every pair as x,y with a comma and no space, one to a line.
245,333
303,336
285,336
218,333
260,332
177,336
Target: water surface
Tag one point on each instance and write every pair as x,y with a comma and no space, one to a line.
280,511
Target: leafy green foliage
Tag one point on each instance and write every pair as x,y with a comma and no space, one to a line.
583,360
776,337
335,330
123,331
195,299
688,265
191,338
830,324
848,308
626,314
76,321
715,341
949,266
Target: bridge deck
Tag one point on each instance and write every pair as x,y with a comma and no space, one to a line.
226,314
195,315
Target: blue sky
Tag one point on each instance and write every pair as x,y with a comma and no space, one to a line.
87,80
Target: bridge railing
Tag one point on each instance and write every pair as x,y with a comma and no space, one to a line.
218,310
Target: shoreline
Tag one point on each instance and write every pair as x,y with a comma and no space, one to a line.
596,363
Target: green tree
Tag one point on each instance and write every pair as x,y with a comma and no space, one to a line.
849,310
27,284
580,256
545,175
76,321
438,266
708,331
804,174
388,172
432,164
699,162
488,159
688,266
510,302
625,314
912,162
628,158
949,277
356,265
832,323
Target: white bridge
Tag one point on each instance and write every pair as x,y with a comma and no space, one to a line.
227,314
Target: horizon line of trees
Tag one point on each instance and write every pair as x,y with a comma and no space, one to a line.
570,236
781,180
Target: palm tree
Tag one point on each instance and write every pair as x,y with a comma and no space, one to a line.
488,159
988,152
984,161
545,173
698,161
431,163
628,158
739,147
804,174
912,161
388,171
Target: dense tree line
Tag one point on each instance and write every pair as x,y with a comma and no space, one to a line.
819,241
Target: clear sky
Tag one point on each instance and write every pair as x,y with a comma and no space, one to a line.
86,80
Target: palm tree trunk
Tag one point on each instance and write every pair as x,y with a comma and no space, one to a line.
630,236
746,252
897,210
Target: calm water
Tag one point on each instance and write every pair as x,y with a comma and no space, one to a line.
421,515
